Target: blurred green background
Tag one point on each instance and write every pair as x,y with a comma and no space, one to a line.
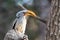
35,28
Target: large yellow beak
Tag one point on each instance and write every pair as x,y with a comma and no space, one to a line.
30,13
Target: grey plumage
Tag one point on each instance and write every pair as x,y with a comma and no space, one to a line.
19,25
12,35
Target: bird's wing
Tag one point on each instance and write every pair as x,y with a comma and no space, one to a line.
14,23
10,35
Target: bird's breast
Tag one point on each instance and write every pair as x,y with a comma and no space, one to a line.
21,25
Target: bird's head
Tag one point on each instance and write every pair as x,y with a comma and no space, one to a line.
25,13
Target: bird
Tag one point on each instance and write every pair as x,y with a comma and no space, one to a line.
19,25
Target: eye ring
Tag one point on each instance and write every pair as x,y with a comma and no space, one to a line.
24,13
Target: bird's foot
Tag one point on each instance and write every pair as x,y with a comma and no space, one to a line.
25,37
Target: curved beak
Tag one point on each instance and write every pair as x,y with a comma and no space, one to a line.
30,13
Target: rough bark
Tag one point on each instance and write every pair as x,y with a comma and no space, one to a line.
53,26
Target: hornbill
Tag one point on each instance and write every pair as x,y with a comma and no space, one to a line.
19,25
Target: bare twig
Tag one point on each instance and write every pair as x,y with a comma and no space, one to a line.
21,6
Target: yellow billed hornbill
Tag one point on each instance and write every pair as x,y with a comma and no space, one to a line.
21,21
19,25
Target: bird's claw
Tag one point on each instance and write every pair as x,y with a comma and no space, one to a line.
25,37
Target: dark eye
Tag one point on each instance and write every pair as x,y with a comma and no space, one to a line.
23,13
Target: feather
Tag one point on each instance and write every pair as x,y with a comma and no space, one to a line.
14,23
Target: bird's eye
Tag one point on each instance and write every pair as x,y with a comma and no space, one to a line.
24,13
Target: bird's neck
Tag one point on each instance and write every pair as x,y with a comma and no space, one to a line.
21,24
